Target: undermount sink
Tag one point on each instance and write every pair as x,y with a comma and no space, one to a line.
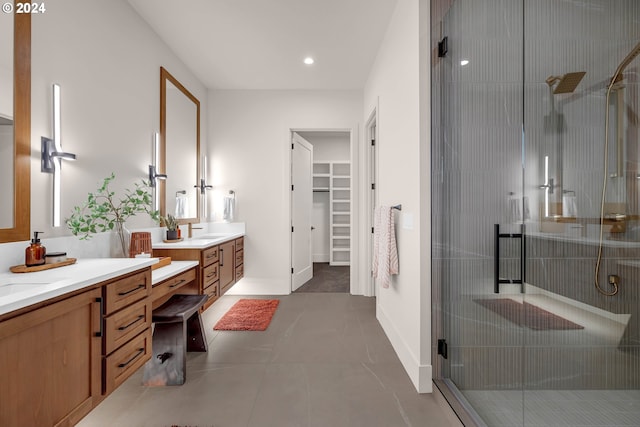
16,287
22,281
213,236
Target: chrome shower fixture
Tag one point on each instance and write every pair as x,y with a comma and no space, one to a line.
566,83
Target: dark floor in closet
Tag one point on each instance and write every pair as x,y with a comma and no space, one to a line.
327,279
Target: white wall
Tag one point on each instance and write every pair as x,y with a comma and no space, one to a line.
393,87
250,154
328,146
107,61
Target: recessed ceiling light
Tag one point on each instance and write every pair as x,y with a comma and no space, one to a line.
308,60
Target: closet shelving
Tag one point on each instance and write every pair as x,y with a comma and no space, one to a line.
335,177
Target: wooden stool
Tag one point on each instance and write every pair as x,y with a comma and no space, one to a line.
178,329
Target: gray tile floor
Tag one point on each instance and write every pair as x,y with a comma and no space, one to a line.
323,361
327,278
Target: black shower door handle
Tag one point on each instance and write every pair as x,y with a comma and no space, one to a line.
496,259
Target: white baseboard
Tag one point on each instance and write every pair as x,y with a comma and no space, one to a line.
421,375
251,286
320,257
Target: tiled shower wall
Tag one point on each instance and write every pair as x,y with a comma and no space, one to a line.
491,132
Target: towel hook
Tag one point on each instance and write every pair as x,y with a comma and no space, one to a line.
397,207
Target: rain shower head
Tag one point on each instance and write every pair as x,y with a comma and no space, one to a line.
566,83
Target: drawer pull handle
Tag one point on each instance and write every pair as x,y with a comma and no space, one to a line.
135,356
178,283
213,273
211,255
132,290
99,300
139,318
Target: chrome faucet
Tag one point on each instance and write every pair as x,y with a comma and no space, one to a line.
191,228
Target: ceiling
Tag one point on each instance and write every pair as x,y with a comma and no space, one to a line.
261,44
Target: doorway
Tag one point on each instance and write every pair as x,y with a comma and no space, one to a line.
330,213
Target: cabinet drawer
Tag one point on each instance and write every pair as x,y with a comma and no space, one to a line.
209,256
239,256
239,272
212,291
126,324
176,282
125,361
240,243
210,274
126,291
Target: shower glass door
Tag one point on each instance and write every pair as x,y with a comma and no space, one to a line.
535,189
479,202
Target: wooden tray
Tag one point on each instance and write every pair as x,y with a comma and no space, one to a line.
162,262
173,240
24,269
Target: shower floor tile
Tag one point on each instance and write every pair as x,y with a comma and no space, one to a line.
557,408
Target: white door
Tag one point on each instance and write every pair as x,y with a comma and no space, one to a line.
372,136
301,206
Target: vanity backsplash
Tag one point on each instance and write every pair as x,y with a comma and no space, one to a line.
99,245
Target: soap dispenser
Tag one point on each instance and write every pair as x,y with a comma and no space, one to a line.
34,254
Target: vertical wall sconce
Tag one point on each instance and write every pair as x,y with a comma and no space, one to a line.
203,188
51,155
153,173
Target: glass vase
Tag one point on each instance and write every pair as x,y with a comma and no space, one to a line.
120,241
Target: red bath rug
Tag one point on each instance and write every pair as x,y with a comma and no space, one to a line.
248,315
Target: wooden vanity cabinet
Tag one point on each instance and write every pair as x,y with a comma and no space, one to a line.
208,271
227,265
127,327
50,362
183,283
60,358
220,266
239,264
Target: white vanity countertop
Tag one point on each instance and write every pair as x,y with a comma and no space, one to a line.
199,242
19,290
176,267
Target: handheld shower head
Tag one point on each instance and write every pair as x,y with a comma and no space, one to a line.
566,83
617,76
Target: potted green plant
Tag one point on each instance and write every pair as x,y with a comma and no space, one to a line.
171,223
102,211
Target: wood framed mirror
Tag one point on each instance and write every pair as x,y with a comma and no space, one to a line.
179,156
15,223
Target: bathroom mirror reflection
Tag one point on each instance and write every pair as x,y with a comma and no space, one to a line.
179,150
15,126
570,193
6,119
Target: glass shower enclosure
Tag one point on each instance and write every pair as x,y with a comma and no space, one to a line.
536,210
